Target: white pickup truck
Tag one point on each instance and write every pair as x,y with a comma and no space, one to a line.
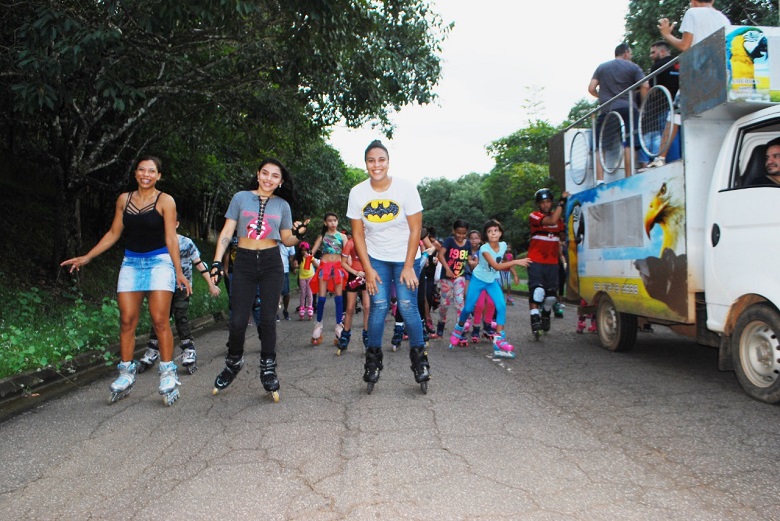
691,244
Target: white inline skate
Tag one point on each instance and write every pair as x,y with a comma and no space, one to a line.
169,381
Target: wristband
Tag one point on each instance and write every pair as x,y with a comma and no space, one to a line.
217,271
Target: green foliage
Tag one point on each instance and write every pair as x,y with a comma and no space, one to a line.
214,83
578,111
527,145
445,201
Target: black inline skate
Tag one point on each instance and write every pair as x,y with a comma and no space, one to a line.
398,335
189,358
420,367
545,320
151,356
233,365
343,341
373,367
268,376
536,326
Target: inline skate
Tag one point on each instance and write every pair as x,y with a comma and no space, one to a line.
475,335
233,365
398,336
122,386
343,341
488,330
536,325
458,337
502,348
189,358
316,336
545,320
373,367
169,381
268,376
420,367
558,309
150,357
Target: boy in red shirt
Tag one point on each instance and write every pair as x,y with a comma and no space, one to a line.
546,227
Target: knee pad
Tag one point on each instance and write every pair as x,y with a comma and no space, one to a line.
537,295
549,302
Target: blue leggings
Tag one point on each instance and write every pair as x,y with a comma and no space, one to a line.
472,295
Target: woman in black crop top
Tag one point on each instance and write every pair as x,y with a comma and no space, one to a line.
146,219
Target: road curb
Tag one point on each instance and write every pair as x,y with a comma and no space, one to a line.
25,391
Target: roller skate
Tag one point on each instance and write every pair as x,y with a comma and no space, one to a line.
309,312
398,335
439,330
301,312
373,367
150,357
343,341
189,358
365,339
429,327
536,325
268,376
545,320
121,387
502,348
420,367
458,338
592,327
581,323
558,309
337,332
475,335
233,366
426,335
168,382
488,330
316,336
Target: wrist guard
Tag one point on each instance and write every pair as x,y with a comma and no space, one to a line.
217,271
299,231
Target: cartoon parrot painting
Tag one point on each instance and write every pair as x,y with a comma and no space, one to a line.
747,45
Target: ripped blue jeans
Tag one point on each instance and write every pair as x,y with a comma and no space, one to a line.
390,273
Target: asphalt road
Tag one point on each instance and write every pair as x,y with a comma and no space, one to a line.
565,431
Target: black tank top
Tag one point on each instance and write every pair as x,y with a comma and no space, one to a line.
144,227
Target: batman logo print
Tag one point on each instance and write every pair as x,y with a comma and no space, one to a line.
381,211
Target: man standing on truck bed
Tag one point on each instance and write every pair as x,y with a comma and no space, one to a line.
610,79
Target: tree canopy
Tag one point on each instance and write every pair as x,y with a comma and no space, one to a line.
88,86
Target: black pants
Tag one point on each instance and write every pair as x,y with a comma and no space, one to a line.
255,272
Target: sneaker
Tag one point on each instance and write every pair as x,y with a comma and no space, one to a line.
658,161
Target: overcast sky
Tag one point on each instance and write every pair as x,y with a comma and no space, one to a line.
498,52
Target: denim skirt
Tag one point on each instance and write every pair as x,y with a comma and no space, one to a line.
143,272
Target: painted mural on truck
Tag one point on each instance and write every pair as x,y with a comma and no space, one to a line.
627,239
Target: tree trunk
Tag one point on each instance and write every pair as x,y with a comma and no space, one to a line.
67,225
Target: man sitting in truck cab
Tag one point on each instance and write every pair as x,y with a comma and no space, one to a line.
771,177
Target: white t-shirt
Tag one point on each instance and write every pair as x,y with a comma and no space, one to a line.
702,22
384,217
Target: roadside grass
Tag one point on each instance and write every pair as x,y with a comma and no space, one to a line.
40,328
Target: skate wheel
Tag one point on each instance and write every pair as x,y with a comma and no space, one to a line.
214,391
338,352
424,387
275,396
395,347
192,368
370,387
171,397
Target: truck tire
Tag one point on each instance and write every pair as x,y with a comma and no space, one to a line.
755,349
617,331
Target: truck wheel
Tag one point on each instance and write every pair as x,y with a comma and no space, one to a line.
617,331
756,353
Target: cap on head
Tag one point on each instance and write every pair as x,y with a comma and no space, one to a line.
543,194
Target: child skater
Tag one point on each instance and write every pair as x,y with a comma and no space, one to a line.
330,275
307,265
485,277
453,257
